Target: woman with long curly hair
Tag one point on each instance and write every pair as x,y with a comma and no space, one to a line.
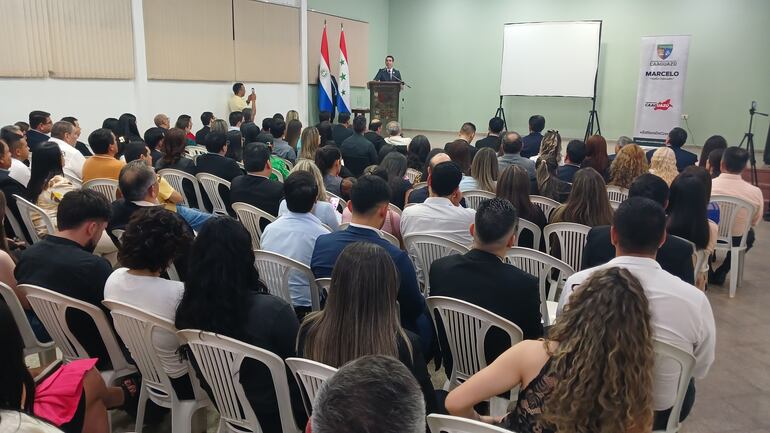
582,378
630,163
663,164
548,183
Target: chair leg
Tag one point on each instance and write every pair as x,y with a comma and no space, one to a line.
734,271
181,417
143,397
741,263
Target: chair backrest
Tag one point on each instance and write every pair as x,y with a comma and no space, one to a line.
425,249
289,164
31,344
118,234
729,209
341,203
531,227
251,217
419,185
310,375
324,284
547,205
14,223
277,174
466,326
193,151
220,360
77,182
616,194
275,270
394,208
412,174
686,363
455,424
474,197
176,179
211,185
26,209
541,266
108,187
571,238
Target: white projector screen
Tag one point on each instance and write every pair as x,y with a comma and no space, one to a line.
550,58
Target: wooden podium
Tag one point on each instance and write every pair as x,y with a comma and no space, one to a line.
383,100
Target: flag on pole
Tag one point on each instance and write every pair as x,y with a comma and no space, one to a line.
324,77
343,92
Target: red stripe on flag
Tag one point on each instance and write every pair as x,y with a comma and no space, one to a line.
343,47
325,47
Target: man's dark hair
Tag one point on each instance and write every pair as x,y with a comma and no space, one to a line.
11,136
301,191
468,127
735,159
326,156
248,114
267,122
496,219
390,57
235,117
496,125
206,117
153,136
134,150
69,119
79,206
100,140
277,128
250,132
136,177
445,178
154,237
677,137
237,88
277,116
343,118
324,116
511,142
255,157
215,141
183,121
359,124
576,151
649,186
37,117
375,125
60,128
24,126
640,224
368,193
537,123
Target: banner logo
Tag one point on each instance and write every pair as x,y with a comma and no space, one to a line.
662,105
664,50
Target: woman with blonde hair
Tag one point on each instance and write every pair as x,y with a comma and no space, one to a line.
291,115
582,378
484,172
220,125
310,141
323,209
629,163
548,183
588,203
663,164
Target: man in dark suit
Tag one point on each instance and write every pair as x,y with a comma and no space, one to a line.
492,140
358,152
675,140
206,118
341,131
576,153
215,162
674,256
154,137
40,125
480,277
369,206
264,135
531,142
373,134
388,73
255,187
11,186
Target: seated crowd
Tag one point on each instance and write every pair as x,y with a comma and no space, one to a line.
329,198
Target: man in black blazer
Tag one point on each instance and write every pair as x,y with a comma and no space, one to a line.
674,256
576,153
341,131
358,152
215,162
492,140
255,187
11,186
388,73
480,277
40,125
206,118
373,134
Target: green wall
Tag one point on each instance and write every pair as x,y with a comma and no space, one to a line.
450,52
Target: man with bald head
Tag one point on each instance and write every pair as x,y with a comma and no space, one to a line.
419,195
162,121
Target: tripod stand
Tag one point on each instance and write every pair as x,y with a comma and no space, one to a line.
593,116
501,113
748,138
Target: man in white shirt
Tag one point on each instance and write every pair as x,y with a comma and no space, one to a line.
17,144
681,314
394,135
63,134
441,213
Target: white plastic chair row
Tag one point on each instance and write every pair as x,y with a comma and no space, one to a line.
545,204
542,266
176,179
108,187
616,194
729,209
251,217
26,210
275,270
571,238
193,151
211,185
474,197
424,249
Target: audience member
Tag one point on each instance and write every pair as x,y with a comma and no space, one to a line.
373,134
224,295
514,187
548,183
531,142
395,166
255,187
311,142
596,156
663,164
713,143
392,222
17,144
622,141
206,118
293,131
587,204
111,123
40,125
103,165
378,386
638,230
417,154
264,135
173,149
325,116
292,115
613,367
24,126
128,131
441,213
328,159
236,102
154,137
395,137
79,145
248,115
252,134
63,134
184,122
492,140
675,140
484,172
459,152
436,157
629,164
10,187
341,131
357,151
219,125
234,136
216,163
714,163
161,121
511,145
468,134
576,153
280,146
325,131
323,209
674,256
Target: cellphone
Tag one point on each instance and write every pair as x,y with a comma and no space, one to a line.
252,90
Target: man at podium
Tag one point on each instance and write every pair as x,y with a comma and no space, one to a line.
388,73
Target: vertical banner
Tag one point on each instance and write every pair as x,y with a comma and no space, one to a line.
660,95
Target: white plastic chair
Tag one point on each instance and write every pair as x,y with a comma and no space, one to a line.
616,194
474,197
275,270
193,151
310,375
77,182
108,187
118,233
545,204
251,217
220,360
425,249
695,255
51,308
26,210
412,174
686,362
45,351
531,227
340,201
176,179
394,208
14,223
571,238
729,208
277,174
137,328
211,185
541,265
455,424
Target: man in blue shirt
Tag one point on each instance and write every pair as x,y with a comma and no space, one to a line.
532,141
368,203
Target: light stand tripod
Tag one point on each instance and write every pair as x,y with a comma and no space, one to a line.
593,116
748,138
501,113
